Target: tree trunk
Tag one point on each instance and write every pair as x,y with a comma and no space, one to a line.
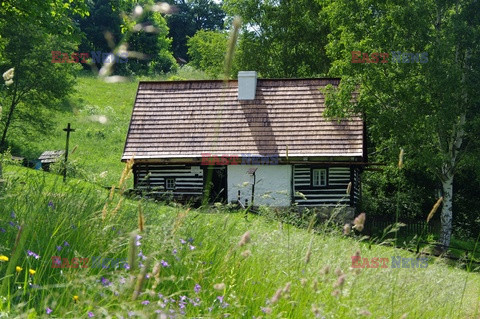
447,211
9,118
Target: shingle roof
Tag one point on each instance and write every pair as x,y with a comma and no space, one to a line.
50,156
183,119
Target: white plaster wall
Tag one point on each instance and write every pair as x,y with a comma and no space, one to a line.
272,188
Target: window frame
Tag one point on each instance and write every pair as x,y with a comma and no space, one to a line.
312,172
167,179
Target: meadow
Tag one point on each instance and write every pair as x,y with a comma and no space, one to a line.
198,263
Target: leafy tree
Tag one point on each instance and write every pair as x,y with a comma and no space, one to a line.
207,51
104,17
285,38
38,84
430,108
189,17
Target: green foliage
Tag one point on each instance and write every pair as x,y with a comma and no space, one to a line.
207,51
153,45
421,107
281,38
189,17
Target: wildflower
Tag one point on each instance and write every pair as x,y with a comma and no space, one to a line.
174,251
359,222
164,263
31,253
3,258
145,302
266,310
192,247
126,266
2,230
246,253
66,244
325,270
48,311
8,75
220,298
197,288
50,204
59,248
75,298
141,255
183,242
90,314
346,229
105,281
219,286
365,312
12,224
340,282
338,272
32,271
18,269
276,296
245,239
12,214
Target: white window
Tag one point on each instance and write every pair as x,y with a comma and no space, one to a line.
170,183
319,177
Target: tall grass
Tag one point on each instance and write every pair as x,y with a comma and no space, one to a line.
198,264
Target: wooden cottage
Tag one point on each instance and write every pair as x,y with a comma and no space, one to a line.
269,133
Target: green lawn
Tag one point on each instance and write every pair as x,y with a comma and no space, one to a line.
195,265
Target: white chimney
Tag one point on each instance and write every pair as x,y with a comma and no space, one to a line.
247,85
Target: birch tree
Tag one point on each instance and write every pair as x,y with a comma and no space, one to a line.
416,68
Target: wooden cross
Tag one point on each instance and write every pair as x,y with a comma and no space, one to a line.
68,130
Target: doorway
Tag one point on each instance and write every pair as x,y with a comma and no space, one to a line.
215,184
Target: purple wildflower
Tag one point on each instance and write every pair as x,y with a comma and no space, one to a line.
48,311
50,204
66,244
140,265
122,280
220,298
59,248
105,282
12,224
141,255
138,237
131,313
192,247
174,251
2,230
164,263
145,302
126,266
12,214
183,242
90,314
197,288
31,253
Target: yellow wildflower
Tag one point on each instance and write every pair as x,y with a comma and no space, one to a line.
75,298
18,269
3,258
32,272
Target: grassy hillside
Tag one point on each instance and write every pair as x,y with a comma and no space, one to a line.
100,113
210,264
